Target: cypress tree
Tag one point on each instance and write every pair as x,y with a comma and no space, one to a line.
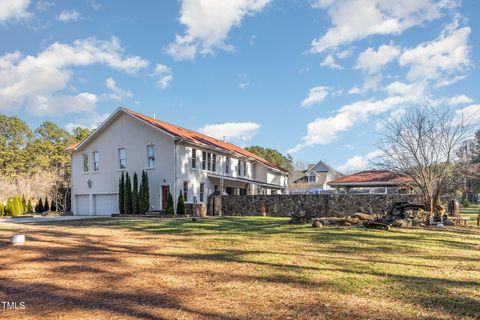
180,204
170,209
16,206
24,204
29,206
53,205
141,195
121,194
128,194
46,207
135,194
146,194
2,209
9,207
39,205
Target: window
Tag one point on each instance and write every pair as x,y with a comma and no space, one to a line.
209,161
227,165
202,192
239,167
185,190
214,162
312,178
244,168
122,158
96,161
150,156
194,158
204,160
85,162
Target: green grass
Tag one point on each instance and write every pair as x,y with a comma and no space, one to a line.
263,267
471,213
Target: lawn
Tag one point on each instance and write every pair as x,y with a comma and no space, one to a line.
238,268
471,213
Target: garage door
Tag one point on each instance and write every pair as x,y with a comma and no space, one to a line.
105,204
82,205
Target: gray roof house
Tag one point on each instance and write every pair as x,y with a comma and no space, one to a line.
314,179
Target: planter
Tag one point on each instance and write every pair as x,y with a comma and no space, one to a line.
17,239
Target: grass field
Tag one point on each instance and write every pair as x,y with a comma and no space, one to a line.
472,213
238,268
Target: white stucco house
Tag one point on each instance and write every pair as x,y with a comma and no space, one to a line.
175,159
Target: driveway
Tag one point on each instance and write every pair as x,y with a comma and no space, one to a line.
49,219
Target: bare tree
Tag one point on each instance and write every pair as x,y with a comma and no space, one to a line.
423,145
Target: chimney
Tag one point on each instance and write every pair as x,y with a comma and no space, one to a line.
154,116
224,139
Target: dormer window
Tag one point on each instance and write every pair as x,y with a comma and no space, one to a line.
312,177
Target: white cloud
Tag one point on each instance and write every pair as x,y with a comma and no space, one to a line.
329,61
470,114
372,61
243,131
439,59
413,90
325,130
359,163
345,53
14,10
165,74
460,99
117,94
69,16
208,23
40,82
315,96
91,121
357,19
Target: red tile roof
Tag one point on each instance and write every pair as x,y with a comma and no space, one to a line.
72,146
193,136
372,177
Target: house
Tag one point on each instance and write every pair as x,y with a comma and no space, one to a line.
373,181
314,179
176,160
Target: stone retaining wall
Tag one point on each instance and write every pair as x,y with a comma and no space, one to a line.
321,205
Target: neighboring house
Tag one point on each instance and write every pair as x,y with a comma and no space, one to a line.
314,179
176,160
373,181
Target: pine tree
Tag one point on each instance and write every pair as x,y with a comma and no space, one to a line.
180,204
24,205
29,206
146,194
128,194
170,209
39,207
2,209
135,201
121,195
46,207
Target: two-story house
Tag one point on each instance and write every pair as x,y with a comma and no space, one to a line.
176,160
314,179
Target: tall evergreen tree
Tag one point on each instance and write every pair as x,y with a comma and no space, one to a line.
170,209
9,207
121,194
2,209
128,194
53,205
29,206
46,207
17,208
24,204
146,194
135,197
180,204
141,194
39,207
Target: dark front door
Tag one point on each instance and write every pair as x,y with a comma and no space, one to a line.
165,191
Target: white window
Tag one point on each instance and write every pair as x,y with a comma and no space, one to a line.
209,161
122,158
239,168
214,162
244,168
312,178
202,192
151,156
227,165
85,162
96,161
185,190
194,158
204,160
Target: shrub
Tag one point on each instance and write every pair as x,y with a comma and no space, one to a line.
39,206
24,204
53,205
121,194
16,207
46,207
128,194
29,206
2,209
180,204
9,207
170,209
135,200
466,203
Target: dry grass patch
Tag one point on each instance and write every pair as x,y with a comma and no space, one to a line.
238,268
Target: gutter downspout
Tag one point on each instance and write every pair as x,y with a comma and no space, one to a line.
175,142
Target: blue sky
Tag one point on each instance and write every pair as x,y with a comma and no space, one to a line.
312,78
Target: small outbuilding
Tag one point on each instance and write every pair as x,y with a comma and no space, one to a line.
373,182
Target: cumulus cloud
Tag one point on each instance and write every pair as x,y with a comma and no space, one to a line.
117,93
372,61
405,89
325,130
69,16
91,121
470,114
165,74
39,82
329,62
315,96
243,131
359,163
14,10
353,20
440,59
208,23
460,99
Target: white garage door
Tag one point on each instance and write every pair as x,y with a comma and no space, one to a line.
105,204
82,205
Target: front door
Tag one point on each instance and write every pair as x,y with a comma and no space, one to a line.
165,191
